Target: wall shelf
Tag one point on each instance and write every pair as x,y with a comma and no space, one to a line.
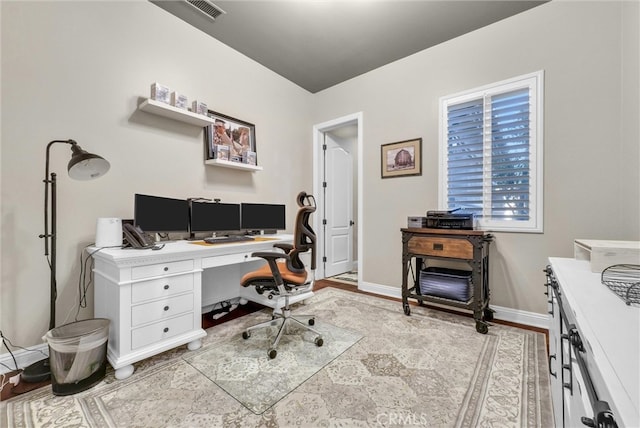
175,113
165,110
231,164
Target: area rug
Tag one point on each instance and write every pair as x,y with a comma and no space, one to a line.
346,277
428,369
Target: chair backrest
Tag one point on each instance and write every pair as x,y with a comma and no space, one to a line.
304,237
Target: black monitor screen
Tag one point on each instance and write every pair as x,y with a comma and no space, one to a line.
263,217
158,214
214,217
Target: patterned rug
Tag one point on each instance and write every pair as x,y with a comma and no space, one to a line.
428,369
346,277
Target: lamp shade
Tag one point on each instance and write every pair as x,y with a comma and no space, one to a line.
86,166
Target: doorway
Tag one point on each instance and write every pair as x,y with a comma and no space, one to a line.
337,186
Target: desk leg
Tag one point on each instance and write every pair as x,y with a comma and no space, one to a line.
405,285
196,344
124,372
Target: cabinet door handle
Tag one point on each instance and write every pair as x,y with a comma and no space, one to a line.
568,385
550,372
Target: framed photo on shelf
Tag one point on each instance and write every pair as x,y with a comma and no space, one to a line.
238,135
401,159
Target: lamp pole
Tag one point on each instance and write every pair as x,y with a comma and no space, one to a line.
50,238
82,166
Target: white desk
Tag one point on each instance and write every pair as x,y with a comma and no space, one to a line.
154,298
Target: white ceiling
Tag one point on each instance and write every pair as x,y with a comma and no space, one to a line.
318,44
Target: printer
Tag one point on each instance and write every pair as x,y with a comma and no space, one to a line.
449,220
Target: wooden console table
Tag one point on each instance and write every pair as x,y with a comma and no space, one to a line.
470,246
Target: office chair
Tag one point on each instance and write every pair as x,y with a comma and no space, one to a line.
285,274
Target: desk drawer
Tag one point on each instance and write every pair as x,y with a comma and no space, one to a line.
161,287
159,269
161,309
226,259
441,247
160,331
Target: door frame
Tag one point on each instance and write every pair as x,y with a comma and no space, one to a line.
318,140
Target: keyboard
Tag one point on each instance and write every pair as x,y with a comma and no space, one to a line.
227,239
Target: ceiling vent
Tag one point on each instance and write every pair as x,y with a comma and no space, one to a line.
207,8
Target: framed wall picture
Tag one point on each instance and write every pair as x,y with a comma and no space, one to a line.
238,135
402,158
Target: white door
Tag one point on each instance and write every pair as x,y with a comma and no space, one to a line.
338,196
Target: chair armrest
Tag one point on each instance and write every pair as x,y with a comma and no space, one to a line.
270,255
284,246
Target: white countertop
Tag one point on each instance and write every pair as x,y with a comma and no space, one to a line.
612,330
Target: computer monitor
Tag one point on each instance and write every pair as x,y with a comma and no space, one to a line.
214,217
157,214
263,216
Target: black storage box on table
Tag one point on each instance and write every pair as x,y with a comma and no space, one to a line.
446,283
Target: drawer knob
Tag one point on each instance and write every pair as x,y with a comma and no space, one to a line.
166,329
166,268
166,308
166,287
438,247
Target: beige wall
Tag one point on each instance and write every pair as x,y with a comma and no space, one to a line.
76,70
68,71
591,135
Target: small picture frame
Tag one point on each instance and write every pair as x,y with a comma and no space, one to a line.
401,159
239,135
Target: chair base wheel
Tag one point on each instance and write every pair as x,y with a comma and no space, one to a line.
246,335
272,353
312,321
319,341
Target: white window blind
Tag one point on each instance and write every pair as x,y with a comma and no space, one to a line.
491,154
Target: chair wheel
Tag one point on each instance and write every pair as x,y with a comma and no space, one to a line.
312,321
319,341
246,335
272,353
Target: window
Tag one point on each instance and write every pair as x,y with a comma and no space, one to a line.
491,154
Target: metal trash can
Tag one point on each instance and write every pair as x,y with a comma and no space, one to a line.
77,355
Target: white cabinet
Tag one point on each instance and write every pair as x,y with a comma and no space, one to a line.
153,307
594,348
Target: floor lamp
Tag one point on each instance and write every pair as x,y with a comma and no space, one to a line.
82,166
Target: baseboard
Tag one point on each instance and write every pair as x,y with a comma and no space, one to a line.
531,319
23,357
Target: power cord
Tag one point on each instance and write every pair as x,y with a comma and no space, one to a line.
4,342
15,379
